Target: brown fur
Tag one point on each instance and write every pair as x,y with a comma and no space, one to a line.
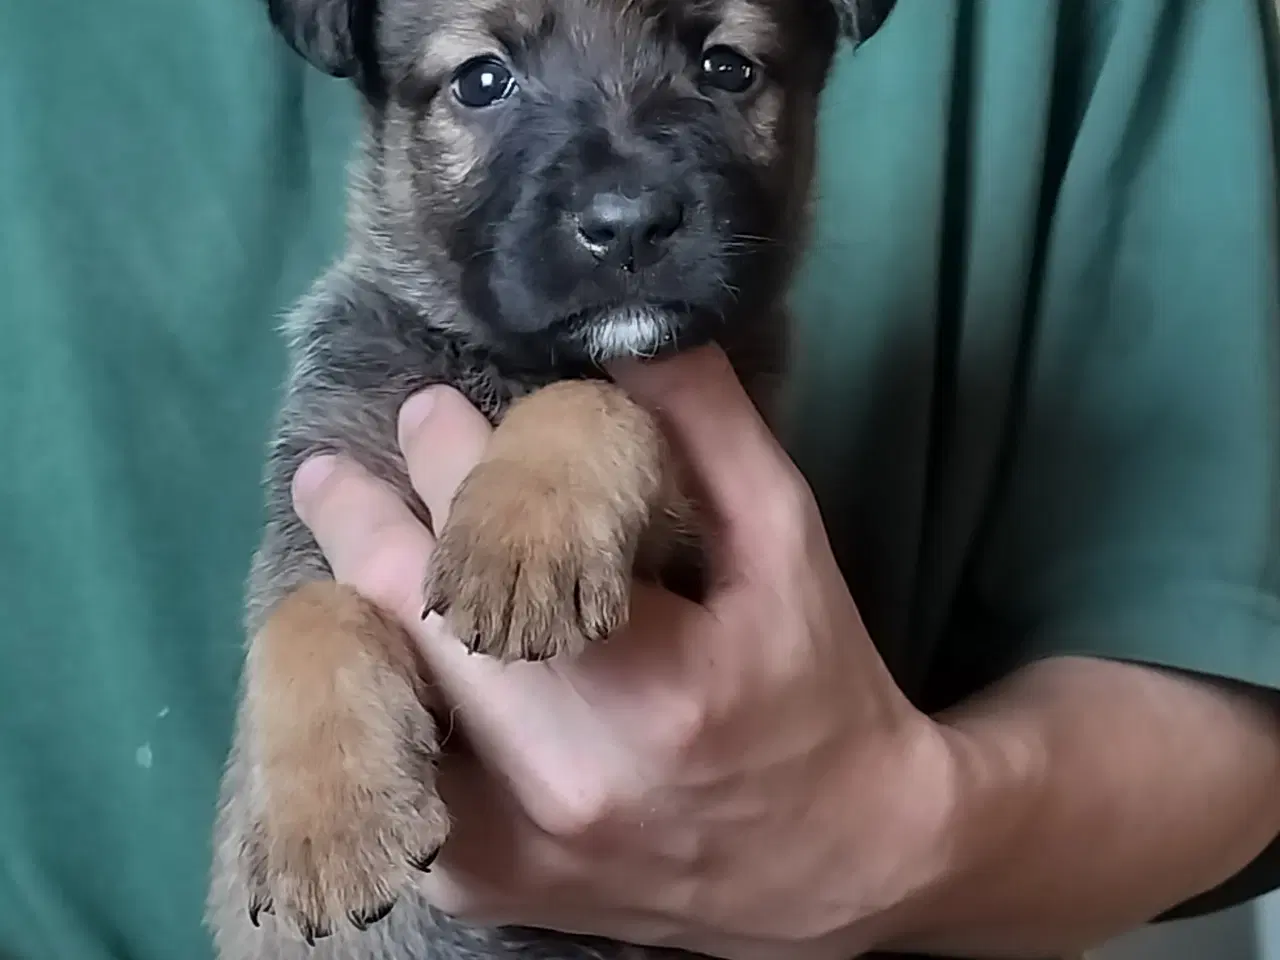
329,807
537,554
339,709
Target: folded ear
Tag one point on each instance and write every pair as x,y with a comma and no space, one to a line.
861,18
336,36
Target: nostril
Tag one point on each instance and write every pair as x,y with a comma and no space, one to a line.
596,233
667,219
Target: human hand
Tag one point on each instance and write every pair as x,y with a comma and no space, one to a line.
739,777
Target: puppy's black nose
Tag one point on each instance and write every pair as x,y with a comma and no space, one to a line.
630,232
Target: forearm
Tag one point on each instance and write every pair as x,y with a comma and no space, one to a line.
1090,797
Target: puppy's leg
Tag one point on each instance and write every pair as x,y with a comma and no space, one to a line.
339,750
537,554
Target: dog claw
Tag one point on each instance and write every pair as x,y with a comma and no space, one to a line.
311,933
435,603
258,907
424,863
362,920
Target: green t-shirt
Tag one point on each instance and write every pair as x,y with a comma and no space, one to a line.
1038,384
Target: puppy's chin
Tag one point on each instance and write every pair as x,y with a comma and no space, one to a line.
636,331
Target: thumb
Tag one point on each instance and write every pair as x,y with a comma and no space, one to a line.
744,478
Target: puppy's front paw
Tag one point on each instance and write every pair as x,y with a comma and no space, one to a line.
527,568
342,776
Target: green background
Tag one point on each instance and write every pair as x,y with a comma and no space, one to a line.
1037,365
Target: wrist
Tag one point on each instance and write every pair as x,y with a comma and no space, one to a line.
986,779
919,829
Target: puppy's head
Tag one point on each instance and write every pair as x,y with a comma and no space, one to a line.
593,177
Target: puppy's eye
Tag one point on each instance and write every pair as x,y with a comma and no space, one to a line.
726,69
482,82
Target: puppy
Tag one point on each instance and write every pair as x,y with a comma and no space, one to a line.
542,186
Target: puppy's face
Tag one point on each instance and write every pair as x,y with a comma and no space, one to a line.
595,177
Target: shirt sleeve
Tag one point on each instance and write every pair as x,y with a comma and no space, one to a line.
1137,518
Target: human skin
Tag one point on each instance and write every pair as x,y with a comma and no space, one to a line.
742,777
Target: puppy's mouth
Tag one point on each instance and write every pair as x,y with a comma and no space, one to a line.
643,330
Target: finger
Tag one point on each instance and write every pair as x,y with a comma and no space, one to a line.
374,543
476,878
442,437
371,539
660,679
620,677
499,868
756,495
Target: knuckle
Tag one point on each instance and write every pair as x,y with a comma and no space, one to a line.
789,511
572,812
682,729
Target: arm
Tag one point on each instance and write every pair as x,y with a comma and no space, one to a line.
1126,579
1091,796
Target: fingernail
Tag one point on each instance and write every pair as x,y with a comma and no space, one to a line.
312,475
417,408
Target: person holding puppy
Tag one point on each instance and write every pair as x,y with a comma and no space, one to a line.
996,678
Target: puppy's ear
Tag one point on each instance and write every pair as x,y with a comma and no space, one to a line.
336,36
861,18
